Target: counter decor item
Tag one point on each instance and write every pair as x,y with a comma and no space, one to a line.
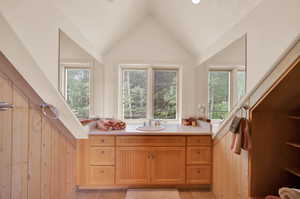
194,121
110,124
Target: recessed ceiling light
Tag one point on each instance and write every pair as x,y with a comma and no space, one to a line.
196,1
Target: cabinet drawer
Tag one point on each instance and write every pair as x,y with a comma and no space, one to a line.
101,175
199,141
199,174
199,155
102,156
150,141
98,140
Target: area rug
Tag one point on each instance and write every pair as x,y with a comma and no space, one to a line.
152,194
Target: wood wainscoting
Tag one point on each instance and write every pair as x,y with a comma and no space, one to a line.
230,171
37,154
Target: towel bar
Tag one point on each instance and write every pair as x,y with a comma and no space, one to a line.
52,108
4,106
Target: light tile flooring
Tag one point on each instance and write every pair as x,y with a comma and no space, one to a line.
190,194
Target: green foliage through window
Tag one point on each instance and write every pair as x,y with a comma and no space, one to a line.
78,91
218,94
135,91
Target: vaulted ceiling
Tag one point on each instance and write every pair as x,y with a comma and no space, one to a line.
196,27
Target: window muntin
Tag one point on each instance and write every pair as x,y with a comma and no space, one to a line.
78,90
160,93
219,94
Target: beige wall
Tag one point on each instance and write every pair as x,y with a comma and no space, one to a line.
270,28
151,44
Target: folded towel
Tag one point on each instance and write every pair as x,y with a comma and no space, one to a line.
110,124
289,193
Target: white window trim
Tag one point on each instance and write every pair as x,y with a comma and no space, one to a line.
79,65
150,69
232,81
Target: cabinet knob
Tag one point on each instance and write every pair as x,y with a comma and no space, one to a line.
101,171
102,152
198,171
102,140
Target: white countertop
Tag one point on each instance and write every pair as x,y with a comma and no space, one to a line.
170,129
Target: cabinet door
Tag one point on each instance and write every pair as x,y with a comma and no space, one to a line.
168,165
132,165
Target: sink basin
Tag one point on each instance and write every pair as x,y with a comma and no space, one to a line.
150,128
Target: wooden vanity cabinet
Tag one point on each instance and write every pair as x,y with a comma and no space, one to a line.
129,161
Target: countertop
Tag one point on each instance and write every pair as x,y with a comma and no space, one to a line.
170,129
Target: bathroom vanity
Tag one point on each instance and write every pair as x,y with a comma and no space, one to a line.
124,159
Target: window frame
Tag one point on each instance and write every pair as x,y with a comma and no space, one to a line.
78,65
150,68
233,91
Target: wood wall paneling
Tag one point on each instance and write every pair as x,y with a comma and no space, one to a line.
38,155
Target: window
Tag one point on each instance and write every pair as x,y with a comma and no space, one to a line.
77,88
148,93
219,95
226,88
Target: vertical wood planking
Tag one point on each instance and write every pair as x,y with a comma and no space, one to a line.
46,159
37,160
20,146
230,171
34,161
5,140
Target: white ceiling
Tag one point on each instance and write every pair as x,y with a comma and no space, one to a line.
196,27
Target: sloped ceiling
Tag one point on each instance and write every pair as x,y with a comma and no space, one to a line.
196,27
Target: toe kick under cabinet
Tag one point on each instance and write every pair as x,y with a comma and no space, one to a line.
129,161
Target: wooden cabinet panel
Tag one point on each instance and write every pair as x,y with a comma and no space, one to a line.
132,165
151,141
168,165
199,155
101,175
199,141
199,174
102,156
98,140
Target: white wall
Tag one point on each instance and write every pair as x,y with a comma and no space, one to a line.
24,63
148,44
37,23
270,28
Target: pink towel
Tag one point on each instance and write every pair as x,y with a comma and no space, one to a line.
110,124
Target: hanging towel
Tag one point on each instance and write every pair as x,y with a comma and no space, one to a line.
241,139
234,127
288,193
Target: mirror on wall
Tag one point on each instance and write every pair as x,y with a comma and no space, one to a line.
75,76
227,74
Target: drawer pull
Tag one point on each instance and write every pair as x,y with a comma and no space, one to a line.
198,152
102,140
102,152
101,171
198,171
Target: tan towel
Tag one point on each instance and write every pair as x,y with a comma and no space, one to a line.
288,193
